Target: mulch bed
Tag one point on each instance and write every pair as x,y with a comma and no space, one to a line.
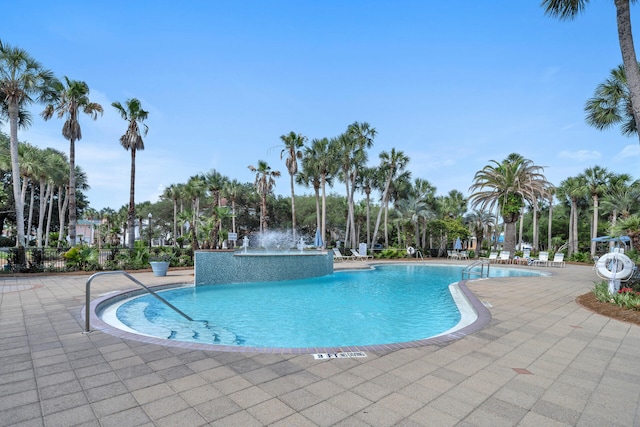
590,302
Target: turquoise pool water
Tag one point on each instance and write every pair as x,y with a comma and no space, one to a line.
390,304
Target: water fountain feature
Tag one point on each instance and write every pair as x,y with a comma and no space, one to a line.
272,257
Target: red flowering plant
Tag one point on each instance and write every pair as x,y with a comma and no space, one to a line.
627,298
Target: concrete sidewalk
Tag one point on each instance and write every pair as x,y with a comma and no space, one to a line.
543,360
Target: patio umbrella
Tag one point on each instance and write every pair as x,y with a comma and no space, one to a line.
318,240
458,244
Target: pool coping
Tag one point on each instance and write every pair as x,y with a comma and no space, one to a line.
483,317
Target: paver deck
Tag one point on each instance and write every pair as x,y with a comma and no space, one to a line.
542,360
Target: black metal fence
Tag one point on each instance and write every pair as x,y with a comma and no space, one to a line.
83,258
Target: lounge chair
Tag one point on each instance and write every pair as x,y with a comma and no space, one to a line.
337,256
558,260
543,259
356,255
505,257
493,257
452,255
463,255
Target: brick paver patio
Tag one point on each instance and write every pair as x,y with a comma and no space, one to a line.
542,360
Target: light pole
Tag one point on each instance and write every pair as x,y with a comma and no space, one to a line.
150,216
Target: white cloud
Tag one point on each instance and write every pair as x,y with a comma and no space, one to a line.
580,155
628,151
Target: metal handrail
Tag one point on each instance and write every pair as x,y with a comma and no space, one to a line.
87,317
468,269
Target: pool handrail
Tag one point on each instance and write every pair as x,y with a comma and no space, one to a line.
87,314
468,269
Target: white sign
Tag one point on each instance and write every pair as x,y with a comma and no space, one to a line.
326,356
233,237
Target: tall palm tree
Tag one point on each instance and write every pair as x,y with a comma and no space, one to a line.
22,80
569,9
132,141
621,198
480,222
596,181
73,97
358,139
293,144
215,182
264,184
232,189
195,189
611,104
322,157
572,189
367,181
506,185
173,192
392,163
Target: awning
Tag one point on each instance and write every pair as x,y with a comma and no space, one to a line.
626,239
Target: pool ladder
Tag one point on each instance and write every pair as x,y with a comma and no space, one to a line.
87,314
469,271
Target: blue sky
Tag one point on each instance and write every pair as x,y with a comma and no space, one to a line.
452,84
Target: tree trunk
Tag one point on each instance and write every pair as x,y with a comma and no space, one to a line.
293,211
73,217
549,228
631,70
594,230
49,216
15,172
131,213
535,226
44,195
323,180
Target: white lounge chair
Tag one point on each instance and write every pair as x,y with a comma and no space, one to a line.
452,255
463,255
543,259
337,256
505,257
493,257
356,255
558,260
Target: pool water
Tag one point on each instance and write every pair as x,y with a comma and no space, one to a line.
390,304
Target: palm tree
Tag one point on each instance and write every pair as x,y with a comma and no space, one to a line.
392,163
569,9
366,181
232,189
412,209
611,104
173,192
621,198
264,184
195,189
572,189
480,222
357,139
73,96
132,141
507,185
22,79
322,158
292,149
596,181
215,182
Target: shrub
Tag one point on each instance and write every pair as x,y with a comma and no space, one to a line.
7,242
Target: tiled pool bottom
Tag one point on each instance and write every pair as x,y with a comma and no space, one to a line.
474,317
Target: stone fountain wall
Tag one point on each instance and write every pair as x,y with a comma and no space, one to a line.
217,267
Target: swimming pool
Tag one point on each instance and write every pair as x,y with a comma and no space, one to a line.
389,304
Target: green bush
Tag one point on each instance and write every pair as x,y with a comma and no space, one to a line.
7,242
81,258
